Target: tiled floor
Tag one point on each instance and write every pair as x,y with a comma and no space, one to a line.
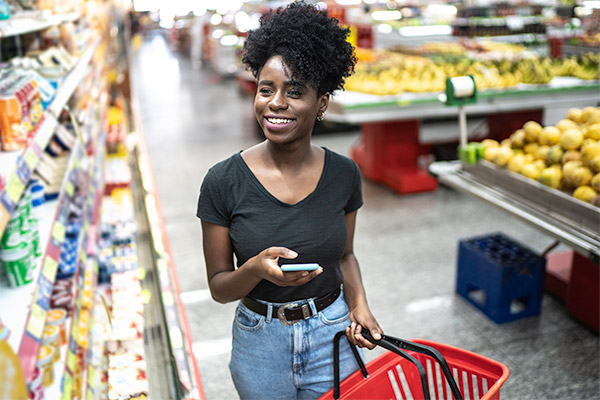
406,245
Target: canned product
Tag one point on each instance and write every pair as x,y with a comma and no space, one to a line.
12,232
18,264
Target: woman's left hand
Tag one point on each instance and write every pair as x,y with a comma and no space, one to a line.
362,317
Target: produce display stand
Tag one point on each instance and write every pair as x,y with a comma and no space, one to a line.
390,149
572,276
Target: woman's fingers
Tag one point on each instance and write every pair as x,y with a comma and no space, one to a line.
283,252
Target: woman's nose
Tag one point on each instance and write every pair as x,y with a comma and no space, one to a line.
278,101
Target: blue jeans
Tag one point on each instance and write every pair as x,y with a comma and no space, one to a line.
270,360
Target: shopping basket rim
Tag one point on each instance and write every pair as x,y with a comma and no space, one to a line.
457,357
499,382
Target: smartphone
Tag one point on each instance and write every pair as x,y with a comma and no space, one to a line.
299,267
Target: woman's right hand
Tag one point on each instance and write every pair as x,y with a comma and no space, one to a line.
266,266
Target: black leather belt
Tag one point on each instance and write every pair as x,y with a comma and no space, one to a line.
291,313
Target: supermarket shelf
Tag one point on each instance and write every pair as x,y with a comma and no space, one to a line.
36,315
70,83
355,108
23,295
20,25
558,214
16,166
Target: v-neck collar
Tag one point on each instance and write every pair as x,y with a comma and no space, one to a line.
245,167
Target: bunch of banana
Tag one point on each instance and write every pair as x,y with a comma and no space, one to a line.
565,66
535,71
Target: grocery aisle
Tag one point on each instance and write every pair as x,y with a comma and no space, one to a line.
407,245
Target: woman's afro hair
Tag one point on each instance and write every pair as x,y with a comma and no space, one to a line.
310,43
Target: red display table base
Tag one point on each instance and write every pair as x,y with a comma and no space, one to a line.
575,280
389,153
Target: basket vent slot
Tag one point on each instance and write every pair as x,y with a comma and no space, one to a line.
439,380
485,385
466,391
394,384
430,378
404,383
475,387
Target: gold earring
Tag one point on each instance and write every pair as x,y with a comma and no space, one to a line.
321,116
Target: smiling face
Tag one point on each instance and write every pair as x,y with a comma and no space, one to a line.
285,109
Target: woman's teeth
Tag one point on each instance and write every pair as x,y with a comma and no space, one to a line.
279,120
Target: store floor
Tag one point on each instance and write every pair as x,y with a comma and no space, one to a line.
406,245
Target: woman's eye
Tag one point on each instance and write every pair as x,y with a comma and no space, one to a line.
265,91
294,93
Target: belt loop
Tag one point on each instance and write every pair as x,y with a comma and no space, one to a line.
313,308
269,313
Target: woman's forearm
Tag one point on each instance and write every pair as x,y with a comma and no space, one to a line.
354,291
227,286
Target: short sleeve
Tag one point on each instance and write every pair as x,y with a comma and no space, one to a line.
355,200
211,207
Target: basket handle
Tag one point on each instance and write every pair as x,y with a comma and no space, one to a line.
427,350
383,343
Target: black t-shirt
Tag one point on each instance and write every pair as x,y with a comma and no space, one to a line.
315,227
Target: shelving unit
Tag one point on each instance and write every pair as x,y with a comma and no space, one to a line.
33,22
80,369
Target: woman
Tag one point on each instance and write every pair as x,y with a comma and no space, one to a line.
286,201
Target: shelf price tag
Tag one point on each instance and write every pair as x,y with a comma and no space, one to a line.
70,189
168,299
71,361
31,159
49,269
67,387
14,188
37,320
58,232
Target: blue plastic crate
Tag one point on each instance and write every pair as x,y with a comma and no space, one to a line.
501,277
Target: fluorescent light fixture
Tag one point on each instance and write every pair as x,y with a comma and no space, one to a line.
370,1
383,15
229,40
218,33
385,28
591,4
348,2
411,31
441,10
216,19
146,5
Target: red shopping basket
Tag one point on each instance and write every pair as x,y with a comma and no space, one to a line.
419,369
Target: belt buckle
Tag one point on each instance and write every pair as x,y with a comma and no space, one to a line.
281,313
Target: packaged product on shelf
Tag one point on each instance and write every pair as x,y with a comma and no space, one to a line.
20,111
127,371
45,363
62,299
51,338
35,387
37,200
26,68
57,317
18,263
